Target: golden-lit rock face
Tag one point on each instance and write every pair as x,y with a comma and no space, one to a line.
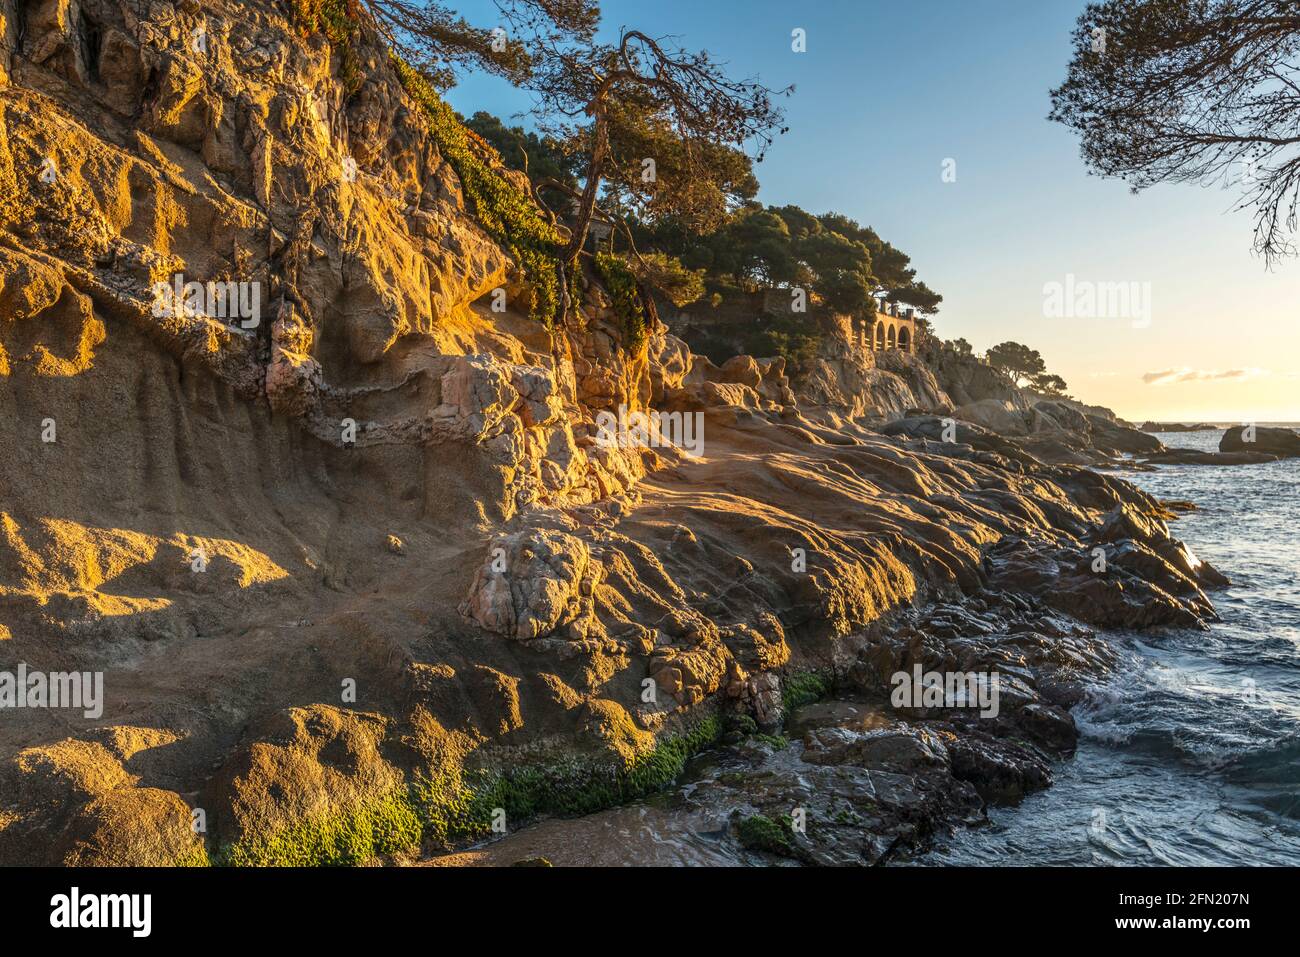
203,512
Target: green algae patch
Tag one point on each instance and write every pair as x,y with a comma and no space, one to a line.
803,688
664,763
465,806
371,828
758,832
455,806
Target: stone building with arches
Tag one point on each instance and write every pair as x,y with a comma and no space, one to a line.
894,327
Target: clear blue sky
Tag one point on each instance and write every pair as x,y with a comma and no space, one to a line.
887,91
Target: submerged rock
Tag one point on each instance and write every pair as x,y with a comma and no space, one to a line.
1194,457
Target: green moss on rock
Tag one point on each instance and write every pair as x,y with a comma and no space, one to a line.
455,807
803,688
374,827
506,213
760,833
464,810
742,725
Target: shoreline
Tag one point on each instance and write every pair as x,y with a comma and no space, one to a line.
944,766
681,826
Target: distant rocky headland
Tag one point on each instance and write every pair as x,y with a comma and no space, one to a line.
1179,427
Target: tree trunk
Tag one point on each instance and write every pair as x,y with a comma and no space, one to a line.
587,205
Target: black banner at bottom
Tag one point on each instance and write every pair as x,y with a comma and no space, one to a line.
143,907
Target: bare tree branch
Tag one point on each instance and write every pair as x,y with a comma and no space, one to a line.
1201,91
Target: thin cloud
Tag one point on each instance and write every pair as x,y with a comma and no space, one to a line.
1167,376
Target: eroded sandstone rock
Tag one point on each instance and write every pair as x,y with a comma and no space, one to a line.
532,584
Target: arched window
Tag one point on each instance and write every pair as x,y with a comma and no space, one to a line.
880,336
890,340
904,339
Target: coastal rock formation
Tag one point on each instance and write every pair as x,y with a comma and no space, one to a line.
683,381
1242,445
1194,457
1178,427
846,382
357,565
968,381
533,583
1058,430
1260,439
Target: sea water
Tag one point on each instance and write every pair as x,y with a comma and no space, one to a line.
1191,755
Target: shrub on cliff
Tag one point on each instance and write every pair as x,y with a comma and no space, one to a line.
339,21
628,305
666,275
794,340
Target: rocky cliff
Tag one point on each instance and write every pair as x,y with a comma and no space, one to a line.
846,383
360,571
